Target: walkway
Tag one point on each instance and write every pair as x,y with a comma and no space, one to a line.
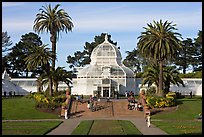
114,110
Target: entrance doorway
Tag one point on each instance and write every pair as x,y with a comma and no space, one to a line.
106,91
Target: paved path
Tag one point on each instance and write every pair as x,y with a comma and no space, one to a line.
120,112
69,125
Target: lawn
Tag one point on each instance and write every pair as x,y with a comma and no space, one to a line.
178,122
28,128
106,127
21,108
183,120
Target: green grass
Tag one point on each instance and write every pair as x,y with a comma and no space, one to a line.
180,127
28,128
106,127
129,128
22,108
83,128
183,120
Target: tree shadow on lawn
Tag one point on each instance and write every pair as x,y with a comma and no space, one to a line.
162,110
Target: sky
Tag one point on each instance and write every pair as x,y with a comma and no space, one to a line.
124,21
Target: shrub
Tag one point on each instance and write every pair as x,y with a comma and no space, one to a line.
171,94
160,102
47,102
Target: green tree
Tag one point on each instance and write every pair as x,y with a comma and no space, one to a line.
151,76
59,74
6,42
40,56
53,21
185,57
135,61
197,62
170,76
20,51
160,43
190,57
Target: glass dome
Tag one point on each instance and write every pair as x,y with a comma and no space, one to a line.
106,54
106,65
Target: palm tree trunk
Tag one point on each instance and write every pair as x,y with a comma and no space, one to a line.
50,80
50,86
157,89
161,79
53,41
55,86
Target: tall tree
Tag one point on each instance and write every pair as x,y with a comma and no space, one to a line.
40,56
151,76
53,21
185,57
59,74
6,42
135,61
159,42
21,51
170,76
197,62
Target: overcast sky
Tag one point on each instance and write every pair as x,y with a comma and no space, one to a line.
124,21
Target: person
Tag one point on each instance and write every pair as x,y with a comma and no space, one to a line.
136,106
200,116
10,93
67,103
4,93
191,94
82,97
79,99
126,94
108,99
88,104
139,107
91,102
148,120
142,98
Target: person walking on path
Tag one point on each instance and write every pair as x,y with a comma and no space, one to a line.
67,103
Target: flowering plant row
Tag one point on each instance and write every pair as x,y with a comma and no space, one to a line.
160,102
47,102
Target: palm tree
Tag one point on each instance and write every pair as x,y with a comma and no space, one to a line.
52,21
151,76
59,74
170,76
40,56
160,43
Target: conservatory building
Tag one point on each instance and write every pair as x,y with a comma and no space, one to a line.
106,75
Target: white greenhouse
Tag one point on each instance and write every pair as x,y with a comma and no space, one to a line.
106,75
